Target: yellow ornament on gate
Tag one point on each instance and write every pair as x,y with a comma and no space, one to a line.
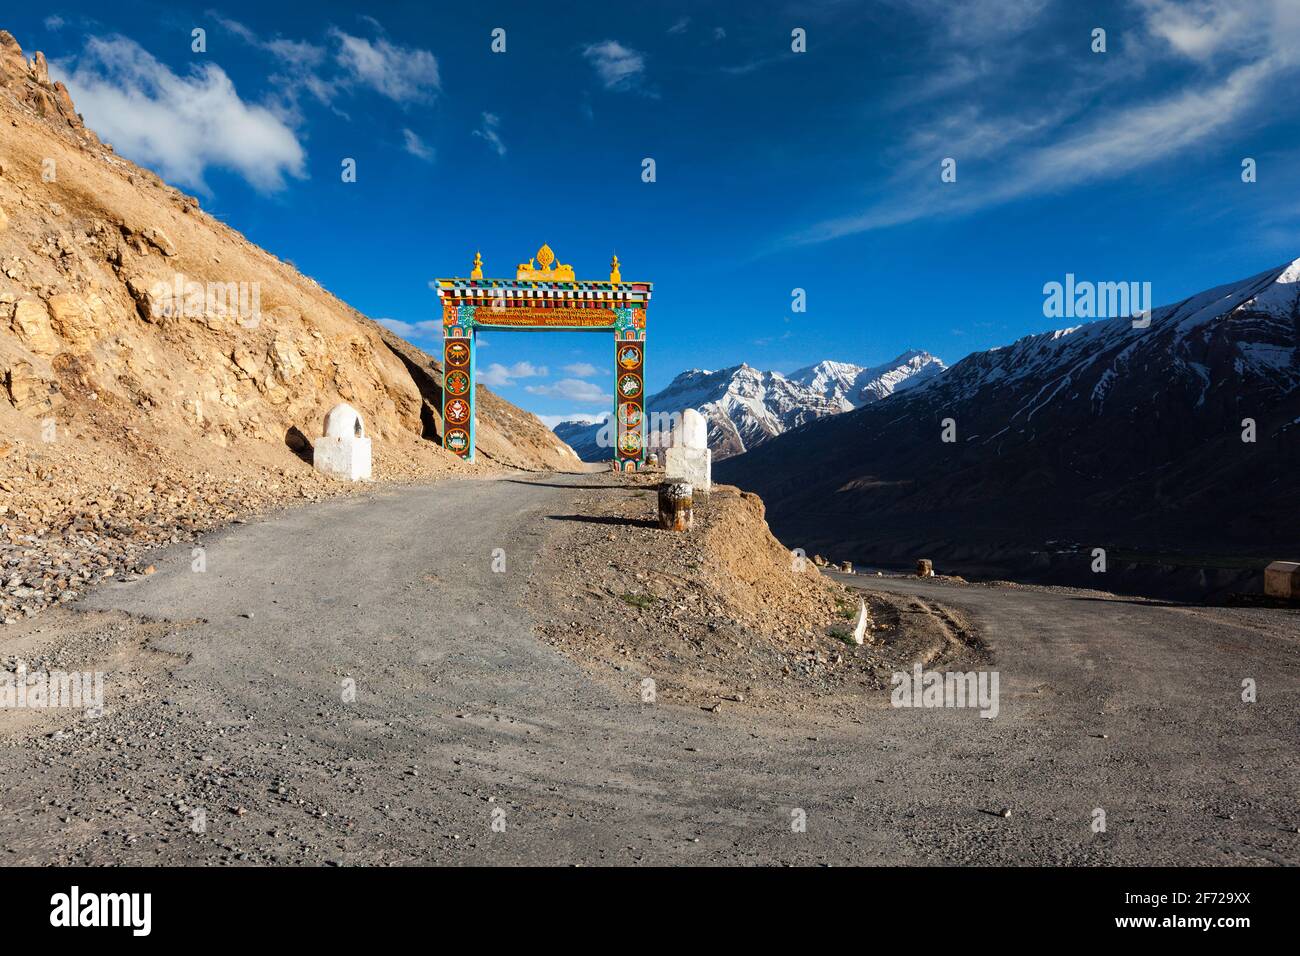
544,258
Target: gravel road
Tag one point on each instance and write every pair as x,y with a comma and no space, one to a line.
469,741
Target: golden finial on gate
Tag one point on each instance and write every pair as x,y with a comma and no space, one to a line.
544,258
614,274
478,266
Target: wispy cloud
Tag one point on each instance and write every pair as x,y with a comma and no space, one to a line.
1232,52
617,66
754,65
581,370
497,375
1201,29
490,132
403,74
977,21
412,330
342,63
417,147
180,125
297,71
574,390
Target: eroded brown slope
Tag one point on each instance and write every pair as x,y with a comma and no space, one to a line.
128,415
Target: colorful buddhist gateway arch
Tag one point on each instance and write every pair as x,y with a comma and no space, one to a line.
544,295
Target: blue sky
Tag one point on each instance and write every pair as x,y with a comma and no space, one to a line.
775,170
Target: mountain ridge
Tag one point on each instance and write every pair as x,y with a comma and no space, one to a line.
745,406
1105,434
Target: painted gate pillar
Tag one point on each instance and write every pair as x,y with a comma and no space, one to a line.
545,295
629,397
459,357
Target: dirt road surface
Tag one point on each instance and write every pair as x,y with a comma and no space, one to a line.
227,739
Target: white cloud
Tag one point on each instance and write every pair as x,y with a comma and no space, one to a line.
1199,28
679,26
618,67
970,133
298,69
402,74
409,330
582,370
1076,140
295,53
417,147
180,125
291,52
575,390
752,66
978,21
497,375
490,131
54,23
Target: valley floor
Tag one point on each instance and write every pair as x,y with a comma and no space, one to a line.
225,715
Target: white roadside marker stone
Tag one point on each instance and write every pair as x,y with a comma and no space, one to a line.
860,629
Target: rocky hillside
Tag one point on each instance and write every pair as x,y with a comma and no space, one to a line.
158,371
745,406
1183,436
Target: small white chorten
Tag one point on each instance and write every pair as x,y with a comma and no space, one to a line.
689,459
343,452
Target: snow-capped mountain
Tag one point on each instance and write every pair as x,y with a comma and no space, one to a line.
745,406
852,386
1184,433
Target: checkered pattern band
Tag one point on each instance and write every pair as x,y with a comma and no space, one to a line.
631,292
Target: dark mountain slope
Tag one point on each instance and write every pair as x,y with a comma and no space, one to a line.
1104,435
